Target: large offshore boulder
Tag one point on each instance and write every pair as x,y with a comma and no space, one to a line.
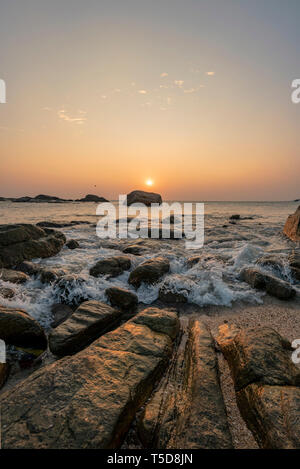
187,410
82,327
142,197
292,226
267,384
90,399
20,329
26,242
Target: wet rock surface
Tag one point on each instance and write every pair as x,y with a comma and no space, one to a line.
292,226
72,244
18,328
7,292
271,284
149,271
88,322
26,242
111,266
89,400
60,313
121,298
13,276
267,384
187,410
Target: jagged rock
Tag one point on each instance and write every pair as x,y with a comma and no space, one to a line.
26,242
149,271
292,226
4,372
168,295
86,324
29,268
18,328
69,290
13,276
187,410
111,266
122,298
73,244
7,292
142,197
271,284
266,382
60,313
90,399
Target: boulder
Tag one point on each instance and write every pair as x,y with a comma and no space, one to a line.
146,198
271,284
72,244
18,328
150,271
292,226
26,242
13,276
91,320
60,313
90,399
135,249
266,382
123,299
235,217
7,292
50,275
167,294
111,266
187,410
191,261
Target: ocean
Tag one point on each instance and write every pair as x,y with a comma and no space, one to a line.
214,280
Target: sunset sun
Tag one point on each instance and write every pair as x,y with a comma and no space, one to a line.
149,182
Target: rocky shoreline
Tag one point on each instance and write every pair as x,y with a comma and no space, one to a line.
120,374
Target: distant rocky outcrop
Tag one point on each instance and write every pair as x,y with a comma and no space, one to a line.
26,242
267,384
146,198
292,226
89,400
92,198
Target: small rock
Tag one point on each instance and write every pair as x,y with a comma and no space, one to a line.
271,284
7,292
29,268
111,266
51,275
122,298
149,271
69,290
72,244
13,276
60,313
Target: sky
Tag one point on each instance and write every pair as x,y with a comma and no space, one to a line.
193,95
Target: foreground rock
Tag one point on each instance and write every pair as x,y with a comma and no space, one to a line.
13,276
7,292
18,328
294,262
168,294
26,242
292,226
187,410
73,244
86,324
60,313
271,284
146,198
4,372
111,266
149,271
123,299
267,384
89,400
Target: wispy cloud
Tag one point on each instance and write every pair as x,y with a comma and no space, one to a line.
142,92
179,83
63,115
164,74
210,73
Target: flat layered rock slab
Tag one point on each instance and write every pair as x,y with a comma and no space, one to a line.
267,384
89,400
187,411
90,320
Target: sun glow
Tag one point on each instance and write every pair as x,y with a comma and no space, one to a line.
149,182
